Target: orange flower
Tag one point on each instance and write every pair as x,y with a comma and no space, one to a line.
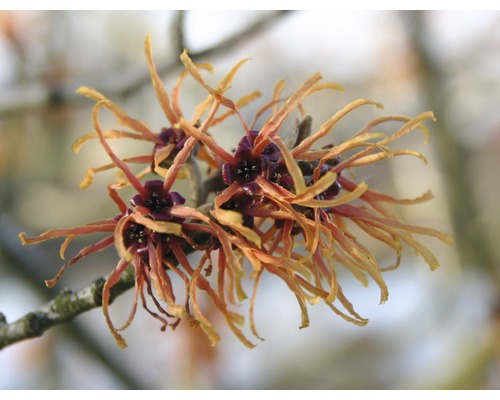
170,140
288,210
152,236
312,204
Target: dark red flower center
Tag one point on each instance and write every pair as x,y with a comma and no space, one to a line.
247,166
136,234
156,201
171,135
247,170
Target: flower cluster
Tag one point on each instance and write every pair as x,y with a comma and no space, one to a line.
268,207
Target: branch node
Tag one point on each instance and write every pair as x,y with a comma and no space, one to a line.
96,290
37,323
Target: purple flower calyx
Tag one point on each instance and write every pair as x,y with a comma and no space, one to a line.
248,166
155,201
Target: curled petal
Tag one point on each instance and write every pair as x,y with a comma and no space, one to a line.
288,278
160,91
217,93
239,104
107,225
121,248
121,115
101,245
379,234
253,326
111,281
234,220
292,166
171,228
270,129
373,158
372,196
318,187
118,162
411,125
176,93
356,212
88,179
206,139
108,134
353,249
347,198
328,85
207,327
65,245
179,161
328,125
335,151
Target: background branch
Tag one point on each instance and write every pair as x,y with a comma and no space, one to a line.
31,95
454,157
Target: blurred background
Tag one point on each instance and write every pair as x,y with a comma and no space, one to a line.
439,330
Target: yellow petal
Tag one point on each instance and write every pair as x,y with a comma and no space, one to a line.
217,93
347,198
328,125
292,166
234,220
411,125
159,89
171,228
270,129
121,249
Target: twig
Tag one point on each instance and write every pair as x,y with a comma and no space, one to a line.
26,263
34,95
62,308
453,156
178,31
223,46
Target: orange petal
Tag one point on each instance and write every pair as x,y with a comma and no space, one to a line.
328,125
270,129
159,89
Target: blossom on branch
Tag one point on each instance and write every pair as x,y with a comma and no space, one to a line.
169,140
285,209
152,236
312,203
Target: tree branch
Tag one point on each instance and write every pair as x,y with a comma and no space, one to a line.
134,83
26,263
62,308
454,157
35,95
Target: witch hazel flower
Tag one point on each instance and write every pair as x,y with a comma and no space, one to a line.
171,139
151,234
311,204
279,208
